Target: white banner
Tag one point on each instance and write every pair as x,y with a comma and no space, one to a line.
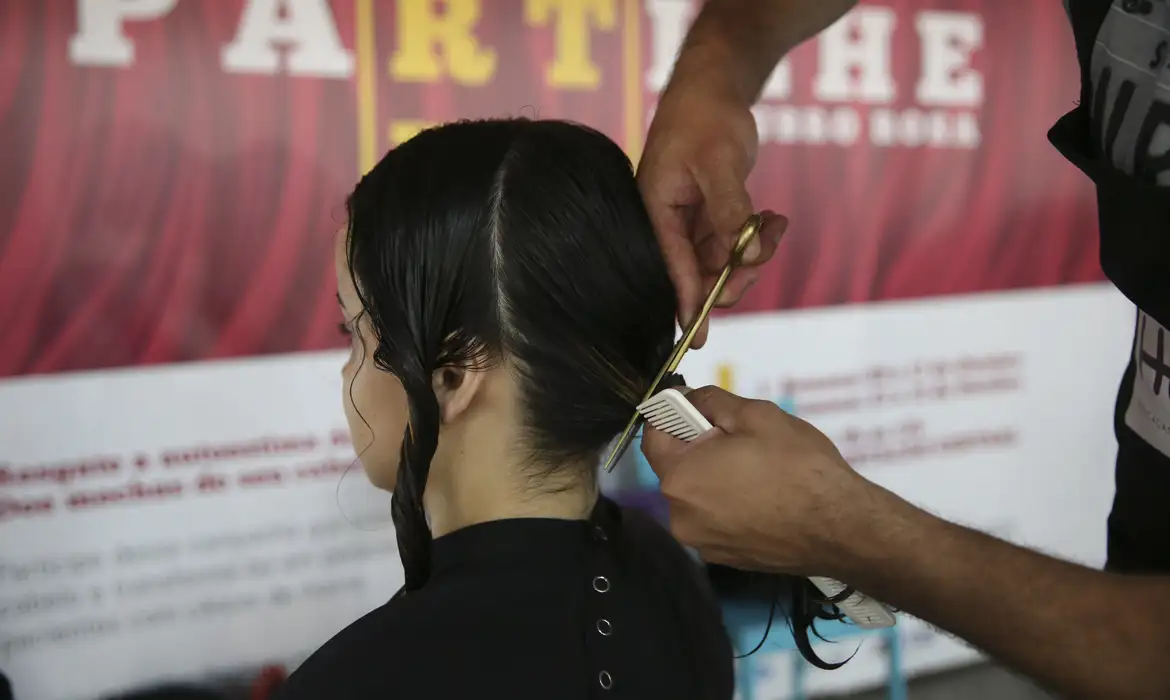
180,521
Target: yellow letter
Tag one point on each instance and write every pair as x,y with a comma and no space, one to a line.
572,67
404,130
725,377
426,38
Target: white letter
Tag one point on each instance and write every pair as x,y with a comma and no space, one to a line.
840,55
948,38
669,20
307,30
779,85
99,40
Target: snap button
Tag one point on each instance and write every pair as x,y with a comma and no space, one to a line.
605,680
600,584
604,627
599,534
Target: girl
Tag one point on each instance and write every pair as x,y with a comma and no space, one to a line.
508,307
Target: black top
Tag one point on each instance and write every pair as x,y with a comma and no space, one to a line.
612,607
1134,220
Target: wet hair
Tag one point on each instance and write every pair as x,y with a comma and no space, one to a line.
513,240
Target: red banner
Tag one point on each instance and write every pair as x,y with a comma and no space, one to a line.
174,169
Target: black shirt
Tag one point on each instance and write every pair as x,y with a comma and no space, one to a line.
611,607
1114,137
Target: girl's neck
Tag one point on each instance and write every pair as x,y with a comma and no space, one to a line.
470,493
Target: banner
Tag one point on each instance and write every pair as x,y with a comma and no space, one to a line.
174,169
178,498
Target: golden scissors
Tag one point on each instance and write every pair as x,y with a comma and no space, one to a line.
749,231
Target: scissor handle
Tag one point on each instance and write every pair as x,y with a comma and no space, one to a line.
750,230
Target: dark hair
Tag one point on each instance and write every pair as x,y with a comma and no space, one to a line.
478,241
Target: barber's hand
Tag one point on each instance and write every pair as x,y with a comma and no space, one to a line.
765,491
698,154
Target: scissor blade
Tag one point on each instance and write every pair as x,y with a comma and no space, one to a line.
623,444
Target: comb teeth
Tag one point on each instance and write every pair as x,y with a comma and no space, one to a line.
670,412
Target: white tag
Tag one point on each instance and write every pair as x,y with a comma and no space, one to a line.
1149,407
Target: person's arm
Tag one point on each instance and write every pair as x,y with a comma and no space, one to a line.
734,45
769,492
702,142
1084,633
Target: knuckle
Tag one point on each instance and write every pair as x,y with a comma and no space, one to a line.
758,409
704,391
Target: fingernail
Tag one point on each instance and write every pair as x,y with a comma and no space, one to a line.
753,249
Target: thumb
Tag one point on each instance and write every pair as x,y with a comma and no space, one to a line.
663,452
724,409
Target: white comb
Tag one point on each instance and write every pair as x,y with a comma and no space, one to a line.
863,611
670,412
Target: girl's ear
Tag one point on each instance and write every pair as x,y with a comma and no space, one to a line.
454,388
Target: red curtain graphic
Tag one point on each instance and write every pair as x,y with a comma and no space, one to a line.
871,223
171,210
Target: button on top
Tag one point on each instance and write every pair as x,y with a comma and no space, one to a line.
599,534
600,584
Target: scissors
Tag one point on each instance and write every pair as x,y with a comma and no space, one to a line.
749,231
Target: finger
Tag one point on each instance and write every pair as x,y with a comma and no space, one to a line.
725,200
737,285
672,227
734,413
660,450
720,407
733,290
771,232
714,252
665,453
700,338
747,274
667,192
